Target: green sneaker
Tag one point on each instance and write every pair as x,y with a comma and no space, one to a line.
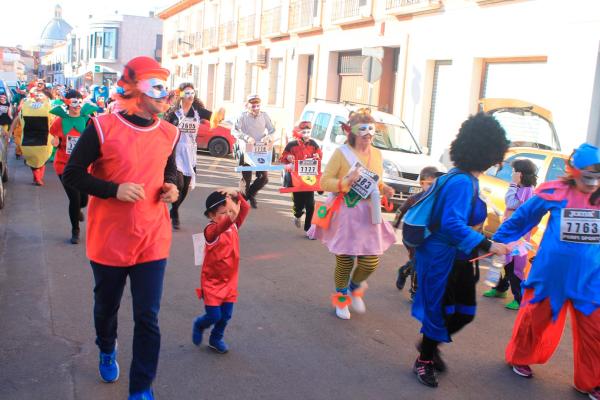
494,293
513,305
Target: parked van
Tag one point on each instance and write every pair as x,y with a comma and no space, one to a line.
403,159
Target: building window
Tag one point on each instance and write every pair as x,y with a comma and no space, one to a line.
276,82
228,82
110,44
248,80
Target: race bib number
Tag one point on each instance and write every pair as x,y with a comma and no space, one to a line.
188,127
260,148
366,183
580,226
3,109
308,167
71,142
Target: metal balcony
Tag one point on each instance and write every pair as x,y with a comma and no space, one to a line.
210,38
228,33
348,11
305,15
271,22
197,41
247,28
407,7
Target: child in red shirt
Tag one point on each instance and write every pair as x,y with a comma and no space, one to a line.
227,210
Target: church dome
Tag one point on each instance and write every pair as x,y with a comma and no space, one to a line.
56,30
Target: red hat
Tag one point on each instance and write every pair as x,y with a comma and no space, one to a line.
300,127
139,68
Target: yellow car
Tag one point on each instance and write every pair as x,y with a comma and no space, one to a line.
532,135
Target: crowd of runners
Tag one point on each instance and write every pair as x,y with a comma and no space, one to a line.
131,204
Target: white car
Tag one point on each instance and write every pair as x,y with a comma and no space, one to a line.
402,156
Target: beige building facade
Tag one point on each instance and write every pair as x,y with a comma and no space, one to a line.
437,58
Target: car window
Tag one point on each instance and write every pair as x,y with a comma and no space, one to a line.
336,129
307,116
505,173
556,169
320,126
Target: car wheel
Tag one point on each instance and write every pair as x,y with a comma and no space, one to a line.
218,147
5,174
1,194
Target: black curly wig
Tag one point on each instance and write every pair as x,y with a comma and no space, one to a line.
481,142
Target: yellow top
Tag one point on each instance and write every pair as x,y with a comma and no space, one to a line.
338,167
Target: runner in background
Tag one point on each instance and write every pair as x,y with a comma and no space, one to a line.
253,126
66,130
186,114
301,148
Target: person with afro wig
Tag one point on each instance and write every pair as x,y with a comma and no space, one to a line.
445,301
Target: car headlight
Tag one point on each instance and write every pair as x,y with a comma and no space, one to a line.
390,170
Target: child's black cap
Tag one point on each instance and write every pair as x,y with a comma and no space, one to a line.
213,201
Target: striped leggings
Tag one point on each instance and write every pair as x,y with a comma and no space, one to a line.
365,266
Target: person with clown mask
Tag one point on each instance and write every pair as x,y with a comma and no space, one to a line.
565,274
253,126
133,178
186,114
301,148
357,233
72,119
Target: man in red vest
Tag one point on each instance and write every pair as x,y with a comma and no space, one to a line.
132,178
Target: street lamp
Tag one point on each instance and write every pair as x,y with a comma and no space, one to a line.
180,41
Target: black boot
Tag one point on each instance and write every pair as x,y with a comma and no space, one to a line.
75,236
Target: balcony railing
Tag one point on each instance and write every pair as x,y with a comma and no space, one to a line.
404,7
304,14
349,10
197,41
271,21
227,33
247,28
210,39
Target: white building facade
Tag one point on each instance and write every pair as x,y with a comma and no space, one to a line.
438,58
98,50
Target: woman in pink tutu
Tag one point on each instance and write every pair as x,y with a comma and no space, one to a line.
356,230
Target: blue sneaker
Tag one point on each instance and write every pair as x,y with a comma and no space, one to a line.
109,367
218,345
145,395
197,332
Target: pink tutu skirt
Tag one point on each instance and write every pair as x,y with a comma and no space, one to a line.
351,232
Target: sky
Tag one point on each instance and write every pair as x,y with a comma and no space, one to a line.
24,20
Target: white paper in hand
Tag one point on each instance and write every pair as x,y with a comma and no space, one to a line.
199,245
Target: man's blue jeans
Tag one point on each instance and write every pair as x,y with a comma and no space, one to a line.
146,281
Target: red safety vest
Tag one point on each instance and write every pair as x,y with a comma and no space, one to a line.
121,233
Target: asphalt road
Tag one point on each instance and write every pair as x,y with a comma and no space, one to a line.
285,341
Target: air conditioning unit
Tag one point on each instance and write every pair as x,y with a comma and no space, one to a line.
261,56
258,55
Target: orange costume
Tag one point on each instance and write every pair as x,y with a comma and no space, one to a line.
137,232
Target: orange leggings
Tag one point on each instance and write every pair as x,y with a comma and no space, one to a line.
535,337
